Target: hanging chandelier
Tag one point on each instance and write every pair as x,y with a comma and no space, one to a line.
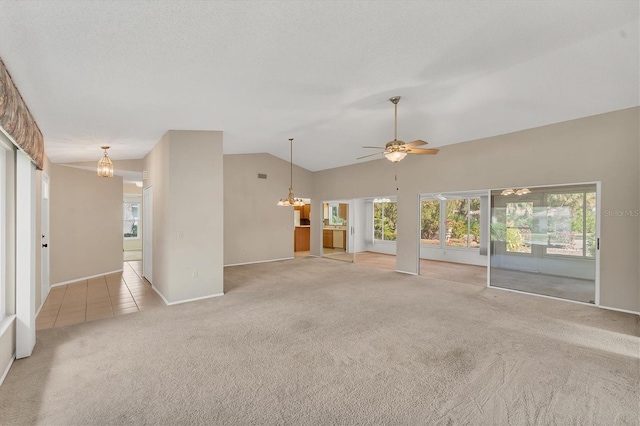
291,200
105,166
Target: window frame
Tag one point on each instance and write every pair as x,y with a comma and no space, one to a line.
584,255
132,200
443,223
373,216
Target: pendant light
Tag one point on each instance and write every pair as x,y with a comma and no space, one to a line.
105,166
291,200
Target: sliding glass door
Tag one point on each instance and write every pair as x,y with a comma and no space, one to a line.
545,241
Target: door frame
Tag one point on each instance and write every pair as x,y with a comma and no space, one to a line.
350,237
598,185
45,267
147,233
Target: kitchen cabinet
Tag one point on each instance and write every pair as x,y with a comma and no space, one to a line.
327,238
343,211
305,211
302,240
338,239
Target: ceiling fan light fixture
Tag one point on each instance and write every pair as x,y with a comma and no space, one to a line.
508,191
395,156
396,150
105,166
523,191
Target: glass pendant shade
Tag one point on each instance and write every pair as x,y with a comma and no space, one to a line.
395,156
105,166
291,201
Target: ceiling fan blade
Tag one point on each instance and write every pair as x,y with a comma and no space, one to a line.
370,155
375,147
417,142
423,151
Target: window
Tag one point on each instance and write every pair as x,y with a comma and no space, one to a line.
385,217
461,222
131,219
571,224
334,215
430,222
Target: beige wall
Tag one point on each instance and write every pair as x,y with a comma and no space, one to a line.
255,228
126,165
86,224
186,171
131,188
600,148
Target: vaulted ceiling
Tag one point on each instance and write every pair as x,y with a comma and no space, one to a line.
122,73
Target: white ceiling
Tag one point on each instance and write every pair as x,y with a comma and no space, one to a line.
122,73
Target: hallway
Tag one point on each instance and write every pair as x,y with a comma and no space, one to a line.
97,298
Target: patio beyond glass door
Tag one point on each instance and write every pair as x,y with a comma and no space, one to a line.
544,241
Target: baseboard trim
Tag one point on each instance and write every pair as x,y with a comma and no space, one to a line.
626,311
543,296
166,302
260,261
6,370
405,272
85,278
154,288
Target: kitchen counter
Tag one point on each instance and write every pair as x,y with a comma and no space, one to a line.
334,237
335,227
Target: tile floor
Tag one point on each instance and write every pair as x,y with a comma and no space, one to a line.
97,298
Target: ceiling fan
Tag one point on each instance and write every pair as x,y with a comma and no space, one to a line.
396,150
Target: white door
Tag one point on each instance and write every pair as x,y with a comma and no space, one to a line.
44,250
147,233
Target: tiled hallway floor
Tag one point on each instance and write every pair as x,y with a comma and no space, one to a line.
98,298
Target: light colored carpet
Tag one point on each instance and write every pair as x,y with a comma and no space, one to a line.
548,285
314,341
456,272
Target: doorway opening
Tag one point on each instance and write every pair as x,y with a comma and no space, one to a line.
454,236
338,230
302,229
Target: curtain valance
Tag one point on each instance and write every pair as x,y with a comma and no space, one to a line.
16,120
